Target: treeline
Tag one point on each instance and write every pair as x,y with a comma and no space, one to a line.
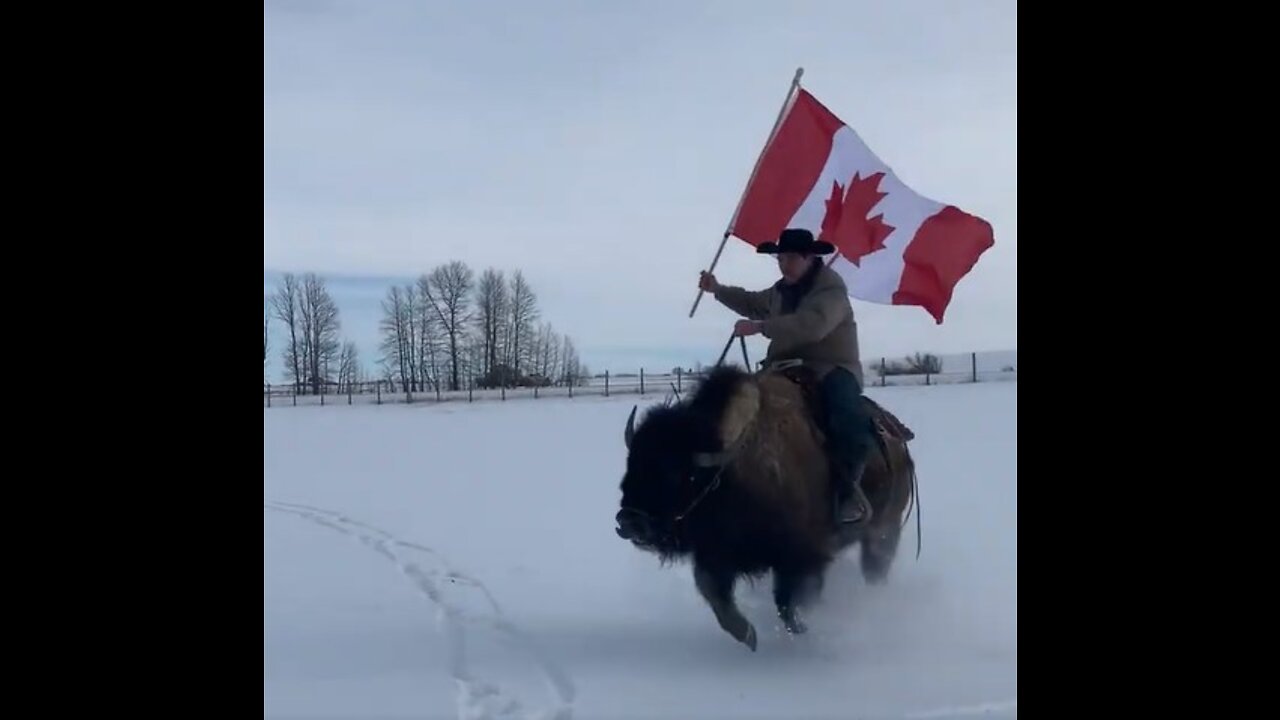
450,329
314,356
447,330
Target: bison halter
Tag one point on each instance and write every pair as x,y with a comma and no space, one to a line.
720,461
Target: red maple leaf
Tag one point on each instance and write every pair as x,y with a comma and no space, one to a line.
831,220
846,224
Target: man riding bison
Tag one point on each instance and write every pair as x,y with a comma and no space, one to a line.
777,470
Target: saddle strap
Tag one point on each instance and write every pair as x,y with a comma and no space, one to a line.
888,423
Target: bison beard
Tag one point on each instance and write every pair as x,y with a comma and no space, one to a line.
736,477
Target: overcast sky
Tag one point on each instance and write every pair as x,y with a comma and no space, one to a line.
601,147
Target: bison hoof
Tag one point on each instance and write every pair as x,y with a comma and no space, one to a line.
741,629
875,568
795,626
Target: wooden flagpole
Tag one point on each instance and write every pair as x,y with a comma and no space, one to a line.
795,83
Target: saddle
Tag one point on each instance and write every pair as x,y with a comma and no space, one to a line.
885,424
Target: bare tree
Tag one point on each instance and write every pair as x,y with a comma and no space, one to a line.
476,360
924,363
286,303
505,341
388,378
555,356
348,367
919,364
571,370
533,351
431,344
320,326
491,315
546,352
412,321
524,312
449,289
266,331
396,344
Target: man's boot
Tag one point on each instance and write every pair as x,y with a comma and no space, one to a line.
851,504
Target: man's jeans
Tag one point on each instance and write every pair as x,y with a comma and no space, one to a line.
848,427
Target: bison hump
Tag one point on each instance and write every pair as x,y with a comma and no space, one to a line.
739,412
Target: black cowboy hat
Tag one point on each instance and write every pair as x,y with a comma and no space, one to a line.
796,240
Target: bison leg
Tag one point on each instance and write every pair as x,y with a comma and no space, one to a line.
791,589
717,589
878,550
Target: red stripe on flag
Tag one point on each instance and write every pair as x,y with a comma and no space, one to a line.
789,168
943,250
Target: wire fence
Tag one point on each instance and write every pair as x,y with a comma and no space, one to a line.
916,370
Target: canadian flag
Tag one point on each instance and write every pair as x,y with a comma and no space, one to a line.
894,246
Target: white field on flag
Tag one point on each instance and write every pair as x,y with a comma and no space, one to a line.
460,560
894,245
878,276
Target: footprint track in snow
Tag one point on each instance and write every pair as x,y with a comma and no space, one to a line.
477,699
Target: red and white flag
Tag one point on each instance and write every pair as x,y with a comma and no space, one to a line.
895,246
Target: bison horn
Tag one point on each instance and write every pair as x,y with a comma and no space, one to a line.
631,427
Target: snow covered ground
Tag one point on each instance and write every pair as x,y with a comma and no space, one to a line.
459,560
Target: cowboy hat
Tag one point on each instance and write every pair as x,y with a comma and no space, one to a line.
796,240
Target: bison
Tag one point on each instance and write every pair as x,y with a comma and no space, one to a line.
736,477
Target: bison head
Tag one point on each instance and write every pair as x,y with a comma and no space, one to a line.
661,477
672,457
